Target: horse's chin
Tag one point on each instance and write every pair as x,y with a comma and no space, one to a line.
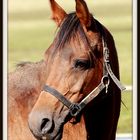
49,137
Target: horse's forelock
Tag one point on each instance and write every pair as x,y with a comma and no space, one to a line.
70,27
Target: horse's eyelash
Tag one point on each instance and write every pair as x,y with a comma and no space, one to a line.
82,64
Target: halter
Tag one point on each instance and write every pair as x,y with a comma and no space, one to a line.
76,108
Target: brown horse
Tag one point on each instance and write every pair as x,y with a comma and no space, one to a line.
75,71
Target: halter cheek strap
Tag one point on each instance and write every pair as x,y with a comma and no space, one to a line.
108,70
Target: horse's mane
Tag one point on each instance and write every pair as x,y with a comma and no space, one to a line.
28,63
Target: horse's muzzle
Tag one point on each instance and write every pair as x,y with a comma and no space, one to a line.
40,124
44,126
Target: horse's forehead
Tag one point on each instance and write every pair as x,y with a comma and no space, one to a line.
75,50
77,45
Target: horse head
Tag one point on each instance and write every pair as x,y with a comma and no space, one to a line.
74,68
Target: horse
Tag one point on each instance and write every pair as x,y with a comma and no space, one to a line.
75,94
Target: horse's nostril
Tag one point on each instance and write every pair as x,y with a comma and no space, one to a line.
47,126
44,123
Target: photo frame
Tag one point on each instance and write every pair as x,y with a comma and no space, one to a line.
5,67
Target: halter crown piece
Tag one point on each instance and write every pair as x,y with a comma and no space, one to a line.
75,108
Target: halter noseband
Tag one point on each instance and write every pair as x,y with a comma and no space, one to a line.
75,108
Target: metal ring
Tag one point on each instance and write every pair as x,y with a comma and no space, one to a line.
105,80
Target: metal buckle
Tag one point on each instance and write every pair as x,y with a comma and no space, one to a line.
74,109
106,54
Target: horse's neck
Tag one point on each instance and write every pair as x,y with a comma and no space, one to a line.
24,86
75,131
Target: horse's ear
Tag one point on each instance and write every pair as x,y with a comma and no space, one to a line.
58,14
82,13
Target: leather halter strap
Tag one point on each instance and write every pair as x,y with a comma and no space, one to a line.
75,108
109,70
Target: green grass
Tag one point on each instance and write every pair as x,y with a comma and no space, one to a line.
31,31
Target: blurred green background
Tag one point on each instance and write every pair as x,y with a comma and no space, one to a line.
31,31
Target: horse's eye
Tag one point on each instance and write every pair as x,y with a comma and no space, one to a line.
82,64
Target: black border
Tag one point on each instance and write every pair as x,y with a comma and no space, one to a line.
138,70
1,68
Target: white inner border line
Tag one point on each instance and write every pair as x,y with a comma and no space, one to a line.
134,69
5,46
